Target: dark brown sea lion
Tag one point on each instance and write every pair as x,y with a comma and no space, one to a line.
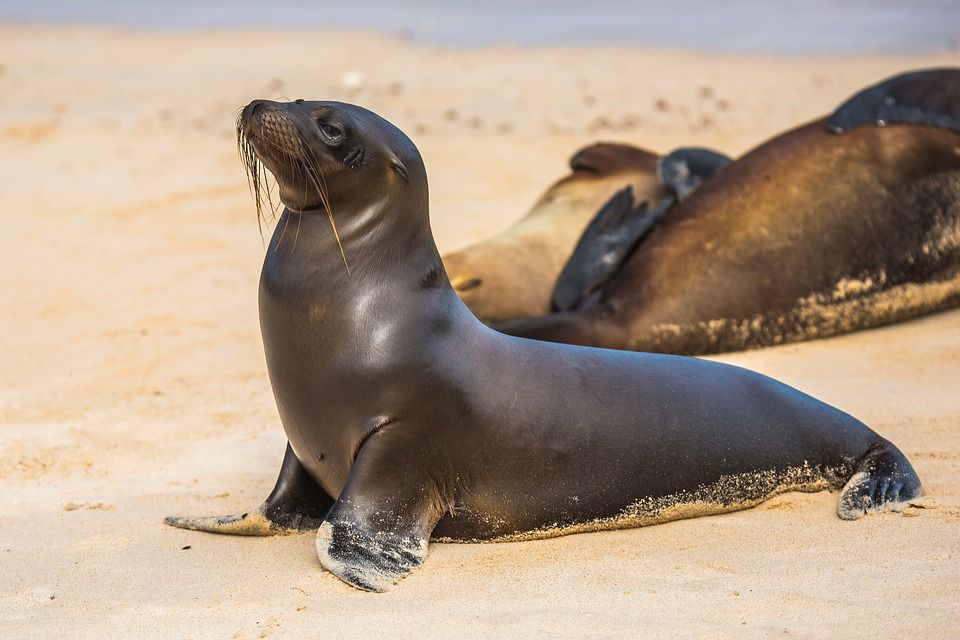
839,225
513,273
407,418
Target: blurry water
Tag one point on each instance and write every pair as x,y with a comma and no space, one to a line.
789,26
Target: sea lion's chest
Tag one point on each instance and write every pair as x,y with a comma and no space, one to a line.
338,362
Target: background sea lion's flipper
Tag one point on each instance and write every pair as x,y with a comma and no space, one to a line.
684,169
379,528
931,96
297,503
607,240
621,224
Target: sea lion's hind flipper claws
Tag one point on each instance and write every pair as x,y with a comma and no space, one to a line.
684,169
601,250
253,523
883,480
365,560
930,96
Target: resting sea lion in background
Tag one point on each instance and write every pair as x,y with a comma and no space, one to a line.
407,418
513,273
843,224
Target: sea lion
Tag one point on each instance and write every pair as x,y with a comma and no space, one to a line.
407,418
513,273
846,223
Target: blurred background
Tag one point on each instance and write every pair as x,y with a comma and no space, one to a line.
132,380
789,26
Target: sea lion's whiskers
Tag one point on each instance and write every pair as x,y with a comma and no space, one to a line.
283,231
256,173
286,222
243,150
313,170
296,235
274,207
293,162
266,175
258,179
256,176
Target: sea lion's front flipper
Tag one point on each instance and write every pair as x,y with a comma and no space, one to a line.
379,528
684,169
621,225
297,503
606,242
882,479
931,96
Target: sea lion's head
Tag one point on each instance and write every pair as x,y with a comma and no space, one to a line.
328,156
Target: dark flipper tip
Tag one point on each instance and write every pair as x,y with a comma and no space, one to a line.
599,251
684,169
928,97
620,226
369,561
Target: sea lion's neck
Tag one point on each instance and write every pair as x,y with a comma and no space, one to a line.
381,254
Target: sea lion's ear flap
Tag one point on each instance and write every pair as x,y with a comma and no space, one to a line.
930,97
401,170
682,170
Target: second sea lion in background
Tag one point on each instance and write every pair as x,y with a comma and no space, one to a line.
846,223
512,274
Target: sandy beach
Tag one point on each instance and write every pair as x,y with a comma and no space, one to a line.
133,384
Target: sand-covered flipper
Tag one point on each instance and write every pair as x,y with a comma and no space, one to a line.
883,480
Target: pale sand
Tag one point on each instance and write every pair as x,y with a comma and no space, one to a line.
133,385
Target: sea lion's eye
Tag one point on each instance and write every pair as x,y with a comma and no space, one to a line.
332,133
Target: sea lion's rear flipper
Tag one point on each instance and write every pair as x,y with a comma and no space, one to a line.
684,169
297,503
931,97
882,479
379,528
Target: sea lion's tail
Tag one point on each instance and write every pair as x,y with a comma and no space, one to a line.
881,480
